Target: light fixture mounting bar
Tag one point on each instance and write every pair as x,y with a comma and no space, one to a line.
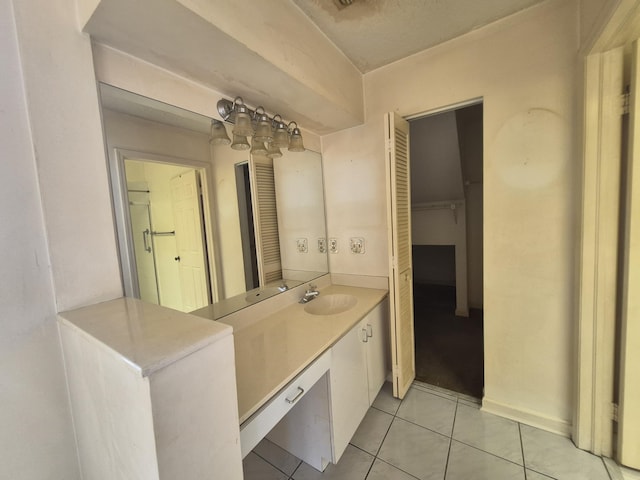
226,109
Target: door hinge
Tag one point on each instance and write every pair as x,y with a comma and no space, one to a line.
614,412
625,100
389,144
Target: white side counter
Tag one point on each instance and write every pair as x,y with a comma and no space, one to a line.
153,392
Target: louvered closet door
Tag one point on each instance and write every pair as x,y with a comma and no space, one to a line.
266,220
400,265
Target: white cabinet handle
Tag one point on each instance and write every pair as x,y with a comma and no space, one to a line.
296,396
365,336
369,331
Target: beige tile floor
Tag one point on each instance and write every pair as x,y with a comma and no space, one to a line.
433,434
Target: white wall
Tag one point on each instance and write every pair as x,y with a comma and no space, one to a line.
227,211
36,438
355,186
300,206
67,138
524,67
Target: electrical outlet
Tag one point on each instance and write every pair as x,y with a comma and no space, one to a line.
322,245
357,244
303,245
333,245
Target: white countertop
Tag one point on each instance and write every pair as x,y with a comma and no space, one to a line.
146,336
272,351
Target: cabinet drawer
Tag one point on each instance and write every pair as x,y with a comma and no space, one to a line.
260,423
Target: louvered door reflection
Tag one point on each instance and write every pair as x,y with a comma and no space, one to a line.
266,225
400,267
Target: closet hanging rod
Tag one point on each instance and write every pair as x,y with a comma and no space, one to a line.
164,234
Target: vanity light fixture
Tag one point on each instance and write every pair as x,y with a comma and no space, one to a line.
269,134
263,129
257,147
273,151
219,133
242,125
281,133
295,142
240,142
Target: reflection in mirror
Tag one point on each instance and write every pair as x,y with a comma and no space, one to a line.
201,225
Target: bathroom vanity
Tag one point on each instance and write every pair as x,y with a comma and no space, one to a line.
155,392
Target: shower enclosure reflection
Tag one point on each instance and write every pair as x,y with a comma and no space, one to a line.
203,225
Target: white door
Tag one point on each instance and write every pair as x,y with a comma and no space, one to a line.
187,213
400,266
629,413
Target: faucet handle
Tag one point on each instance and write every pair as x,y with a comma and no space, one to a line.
312,286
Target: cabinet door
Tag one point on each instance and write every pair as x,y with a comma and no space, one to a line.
349,388
377,328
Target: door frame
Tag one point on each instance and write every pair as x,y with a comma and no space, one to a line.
436,111
602,59
123,221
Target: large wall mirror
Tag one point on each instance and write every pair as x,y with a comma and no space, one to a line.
202,225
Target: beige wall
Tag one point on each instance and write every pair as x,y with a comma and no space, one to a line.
524,68
64,255
55,249
354,185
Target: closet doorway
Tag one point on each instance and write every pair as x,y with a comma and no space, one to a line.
446,154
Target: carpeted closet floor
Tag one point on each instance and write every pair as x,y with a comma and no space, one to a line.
449,349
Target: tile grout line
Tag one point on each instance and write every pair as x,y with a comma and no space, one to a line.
274,466
395,415
488,453
606,469
375,456
524,461
397,468
446,465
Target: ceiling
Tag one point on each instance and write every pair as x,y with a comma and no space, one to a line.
374,33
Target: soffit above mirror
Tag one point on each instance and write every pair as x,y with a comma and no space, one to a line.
268,52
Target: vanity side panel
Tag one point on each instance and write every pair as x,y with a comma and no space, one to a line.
111,410
195,415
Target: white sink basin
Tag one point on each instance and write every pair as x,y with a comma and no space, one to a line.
331,304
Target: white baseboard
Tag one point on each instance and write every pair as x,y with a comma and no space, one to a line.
628,474
528,417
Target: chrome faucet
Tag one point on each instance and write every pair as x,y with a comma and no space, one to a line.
310,294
